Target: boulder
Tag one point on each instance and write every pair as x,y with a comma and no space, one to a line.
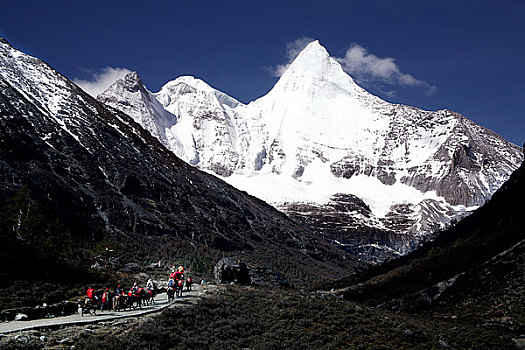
96,266
22,338
144,275
64,341
231,270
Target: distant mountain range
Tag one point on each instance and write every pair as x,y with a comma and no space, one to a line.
372,177
80,174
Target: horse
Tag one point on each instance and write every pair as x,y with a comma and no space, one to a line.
89,305
149,297
145,296
120,302
170,292
179,286
134,300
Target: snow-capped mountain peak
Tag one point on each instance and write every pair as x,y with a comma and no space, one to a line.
313,71
316,103
315,48
313,61
187,115
132,81
319,143
92,175
129,95
174,89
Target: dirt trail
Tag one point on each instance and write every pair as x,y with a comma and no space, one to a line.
188,298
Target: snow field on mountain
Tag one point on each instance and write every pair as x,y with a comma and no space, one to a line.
318,185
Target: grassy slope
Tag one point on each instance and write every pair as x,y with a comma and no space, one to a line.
242,318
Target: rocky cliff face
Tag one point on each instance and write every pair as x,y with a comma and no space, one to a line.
103,174
130,96
317,137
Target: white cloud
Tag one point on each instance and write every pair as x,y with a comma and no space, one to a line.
367,67
431,90
292,50
101,80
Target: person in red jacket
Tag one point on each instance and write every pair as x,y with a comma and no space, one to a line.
178,275
90,296
104,299
90,293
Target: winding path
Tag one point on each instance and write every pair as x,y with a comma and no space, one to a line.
161,302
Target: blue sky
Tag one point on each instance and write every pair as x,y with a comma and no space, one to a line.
463,55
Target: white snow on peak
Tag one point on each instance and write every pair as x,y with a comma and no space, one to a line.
314,70
191,81
316,104
187,81
45,88
129,95
315,47
33,78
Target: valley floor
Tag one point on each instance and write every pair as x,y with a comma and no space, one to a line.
257,318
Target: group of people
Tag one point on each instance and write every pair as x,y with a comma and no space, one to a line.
104,298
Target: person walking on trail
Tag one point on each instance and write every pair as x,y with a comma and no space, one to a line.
90,296
104,300
150,286
189,282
